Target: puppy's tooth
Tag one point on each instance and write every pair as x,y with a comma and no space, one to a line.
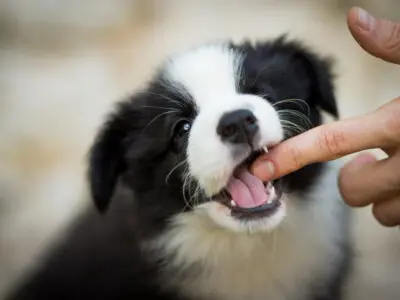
233,203
265,149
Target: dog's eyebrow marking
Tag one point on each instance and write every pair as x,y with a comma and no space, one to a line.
179,91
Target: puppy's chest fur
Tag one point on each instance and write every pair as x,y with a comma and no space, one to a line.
298,260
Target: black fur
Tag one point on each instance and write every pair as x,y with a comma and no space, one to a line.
100,258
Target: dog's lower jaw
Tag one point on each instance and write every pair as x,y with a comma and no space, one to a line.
205,260
221,215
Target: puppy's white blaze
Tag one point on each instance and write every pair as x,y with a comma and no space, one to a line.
210,161
211,75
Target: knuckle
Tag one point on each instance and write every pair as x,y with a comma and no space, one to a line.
392,120
295,154
331,143
392,42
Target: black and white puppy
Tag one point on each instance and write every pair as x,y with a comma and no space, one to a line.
193,222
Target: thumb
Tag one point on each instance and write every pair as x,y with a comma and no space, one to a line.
378,37
360,160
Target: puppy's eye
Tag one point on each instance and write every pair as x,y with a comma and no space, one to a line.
182,128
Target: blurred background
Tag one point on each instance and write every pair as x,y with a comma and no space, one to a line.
64,63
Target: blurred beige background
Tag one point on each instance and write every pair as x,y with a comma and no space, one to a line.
63,63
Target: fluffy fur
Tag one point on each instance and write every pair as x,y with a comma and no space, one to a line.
161,158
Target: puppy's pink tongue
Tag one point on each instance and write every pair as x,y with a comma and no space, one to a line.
247,190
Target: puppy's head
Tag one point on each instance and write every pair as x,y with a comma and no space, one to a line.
184,143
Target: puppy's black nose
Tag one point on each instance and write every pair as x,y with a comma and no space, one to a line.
239,126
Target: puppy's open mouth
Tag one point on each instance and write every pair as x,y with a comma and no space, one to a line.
247,196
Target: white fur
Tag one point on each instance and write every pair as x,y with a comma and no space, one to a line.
274,265
210,74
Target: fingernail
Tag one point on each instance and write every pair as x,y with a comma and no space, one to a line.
264,170
362,159
365,21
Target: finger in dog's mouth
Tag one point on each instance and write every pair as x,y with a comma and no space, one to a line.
248,197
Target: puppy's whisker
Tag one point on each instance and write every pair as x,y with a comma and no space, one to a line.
199,195
298,102
157,117
193,198
160,107
196,194
187,188
186,179
165,97
178,90
174,169
264,68
295,113
293,126
290,132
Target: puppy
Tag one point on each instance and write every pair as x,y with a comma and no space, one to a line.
189,220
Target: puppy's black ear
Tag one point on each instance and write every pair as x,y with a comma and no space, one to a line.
106,159
320,72
316,70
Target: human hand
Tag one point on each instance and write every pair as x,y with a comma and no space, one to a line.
364,180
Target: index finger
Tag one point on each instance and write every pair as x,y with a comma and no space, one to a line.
380,129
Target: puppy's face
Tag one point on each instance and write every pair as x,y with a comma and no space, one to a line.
185,143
